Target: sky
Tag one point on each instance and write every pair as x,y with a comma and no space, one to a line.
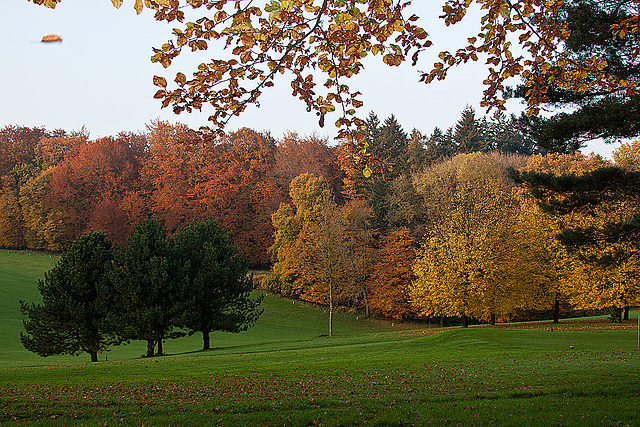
100,76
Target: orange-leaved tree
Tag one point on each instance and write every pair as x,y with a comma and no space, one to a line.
236,184
392,275
104,170
169,173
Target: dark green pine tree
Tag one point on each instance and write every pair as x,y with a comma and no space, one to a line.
611,115
390,145
76,300
506,136
417,156
148,286
439,145
216,290
371,130
469,133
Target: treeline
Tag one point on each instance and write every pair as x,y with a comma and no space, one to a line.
461,239
151,288
442,231
56,185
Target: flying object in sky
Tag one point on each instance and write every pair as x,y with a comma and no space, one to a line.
51,38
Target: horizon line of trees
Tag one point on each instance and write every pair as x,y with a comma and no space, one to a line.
56,185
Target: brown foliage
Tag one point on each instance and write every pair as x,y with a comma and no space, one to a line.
392,275
236,185
107,169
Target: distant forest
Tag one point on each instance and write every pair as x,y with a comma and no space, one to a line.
56,185
442,230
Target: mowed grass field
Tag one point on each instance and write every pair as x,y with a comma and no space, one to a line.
286,372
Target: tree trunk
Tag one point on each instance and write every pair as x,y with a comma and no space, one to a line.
330,305
366,303
626,313
151,345
493,319
206,340
364,271
441,321
556,310
94,356
465,321
616,315
160,352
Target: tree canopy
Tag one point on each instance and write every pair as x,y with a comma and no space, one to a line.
594,111
77,297
322,44
216,285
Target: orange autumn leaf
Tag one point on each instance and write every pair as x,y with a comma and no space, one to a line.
51,38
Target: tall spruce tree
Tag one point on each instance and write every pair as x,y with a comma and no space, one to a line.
147,282
469,133
76,300
216,290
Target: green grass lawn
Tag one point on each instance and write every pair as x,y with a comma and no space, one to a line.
285,371
19,274
283,324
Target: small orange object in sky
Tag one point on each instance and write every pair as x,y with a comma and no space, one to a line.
51,38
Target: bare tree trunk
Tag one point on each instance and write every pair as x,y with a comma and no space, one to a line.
493,319
366,303
626,313
364,271
465,321
151,345
160,352
556,310
330,305
94,355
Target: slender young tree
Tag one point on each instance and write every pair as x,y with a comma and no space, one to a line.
76,299
216,287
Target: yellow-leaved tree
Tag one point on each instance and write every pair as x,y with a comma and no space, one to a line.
309,195
471,264
592,208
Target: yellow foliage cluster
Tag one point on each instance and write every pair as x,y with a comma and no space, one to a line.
492,251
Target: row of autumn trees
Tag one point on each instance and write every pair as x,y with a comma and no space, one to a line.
56,185
151,288
475,243
442,230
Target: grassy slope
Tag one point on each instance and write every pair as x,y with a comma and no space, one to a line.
284,371
19,274
463,377
283,323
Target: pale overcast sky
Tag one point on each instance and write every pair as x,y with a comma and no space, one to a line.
100,77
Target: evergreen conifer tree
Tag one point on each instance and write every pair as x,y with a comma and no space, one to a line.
592,114
147,282
76,300
216,290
